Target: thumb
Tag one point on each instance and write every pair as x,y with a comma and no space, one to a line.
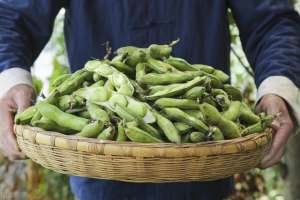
23,101
275,124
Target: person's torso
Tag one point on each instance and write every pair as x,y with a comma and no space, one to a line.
201,25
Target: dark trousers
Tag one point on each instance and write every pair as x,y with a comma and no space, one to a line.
95,189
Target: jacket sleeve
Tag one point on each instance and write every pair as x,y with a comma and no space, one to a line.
270,35
25,28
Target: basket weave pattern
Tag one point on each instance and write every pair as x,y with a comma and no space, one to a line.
138,162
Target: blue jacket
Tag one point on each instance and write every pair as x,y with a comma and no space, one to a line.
269,31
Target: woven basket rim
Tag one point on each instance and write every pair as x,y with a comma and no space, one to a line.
171,150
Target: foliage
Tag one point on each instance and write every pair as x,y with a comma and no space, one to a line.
38,84
58,69
58,44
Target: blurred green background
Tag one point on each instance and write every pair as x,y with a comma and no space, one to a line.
27,180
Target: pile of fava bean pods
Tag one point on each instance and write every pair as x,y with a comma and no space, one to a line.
146,95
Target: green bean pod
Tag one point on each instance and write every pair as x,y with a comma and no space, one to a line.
160,66
140,71
214,81
126,50
221,75
96,77
180,64
122,84
247,116
130,115
136,134
211,114
99,83
75,110
233,111
213,117
216,133
77,101
123,113
180,116
74,82
61,118
60,79
195,93
145,127
218,91
169,78
47,125
233,92
108,85
136,107
120,58
94,94
197,137
205,68
119,99
260,126
223,101
121,136
139,92
168,128
100,67
66,102
84,114
148,128
122,67
86,84
159,51
182,128
53,97
50,125
26,115
132,124
177,103
156,88
137,56
181,89
37,116
97,113
210,100
195,113
107,134
229,129
92,130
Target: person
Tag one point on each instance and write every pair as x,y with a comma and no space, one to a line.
269,33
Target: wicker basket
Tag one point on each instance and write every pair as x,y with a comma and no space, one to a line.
138,162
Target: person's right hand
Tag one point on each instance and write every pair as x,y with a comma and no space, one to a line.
18,98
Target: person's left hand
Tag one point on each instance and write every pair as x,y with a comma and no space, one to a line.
283,127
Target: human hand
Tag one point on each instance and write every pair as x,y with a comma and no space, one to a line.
282,125
18,98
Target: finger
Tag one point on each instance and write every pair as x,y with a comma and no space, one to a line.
23,101
271,162
8,141
275,125
268,104
279,140
10,151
